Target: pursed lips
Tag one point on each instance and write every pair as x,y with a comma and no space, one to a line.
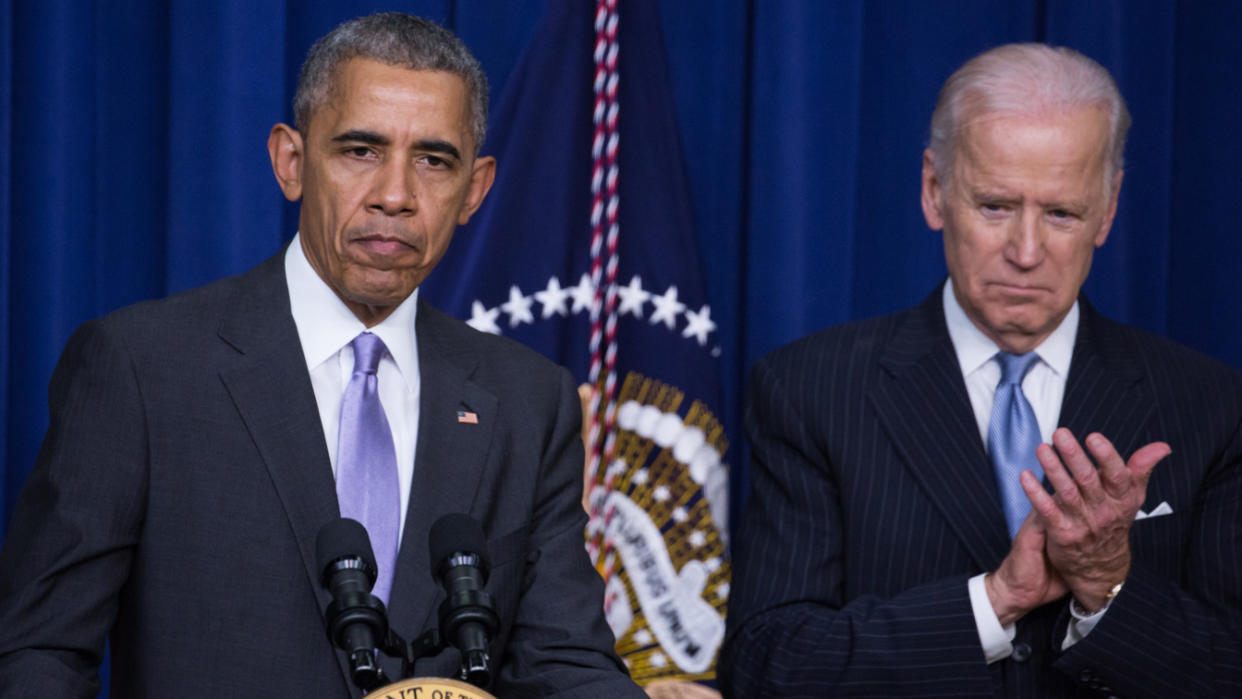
382,244
1016,288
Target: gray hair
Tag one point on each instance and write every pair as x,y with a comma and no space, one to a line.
1026,79
398,40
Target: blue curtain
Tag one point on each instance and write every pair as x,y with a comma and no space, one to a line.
132,159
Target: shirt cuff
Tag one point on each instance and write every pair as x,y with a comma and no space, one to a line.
997,640
1080,624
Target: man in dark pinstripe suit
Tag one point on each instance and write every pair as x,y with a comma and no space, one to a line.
874,556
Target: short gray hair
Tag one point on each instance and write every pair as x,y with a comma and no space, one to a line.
1026,79
396,39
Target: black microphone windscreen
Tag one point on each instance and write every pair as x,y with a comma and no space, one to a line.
455,533
343,538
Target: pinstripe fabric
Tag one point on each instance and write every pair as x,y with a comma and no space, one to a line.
873,501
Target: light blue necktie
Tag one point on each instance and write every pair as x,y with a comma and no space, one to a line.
1013,435
366,473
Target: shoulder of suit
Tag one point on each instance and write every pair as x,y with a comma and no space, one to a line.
492,350
860,339
1168,362
196,310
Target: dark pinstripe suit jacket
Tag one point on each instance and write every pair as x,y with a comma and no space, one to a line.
873,502
184,478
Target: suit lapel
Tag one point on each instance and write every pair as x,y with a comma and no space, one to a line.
1105,392
449,459
921,401
271,388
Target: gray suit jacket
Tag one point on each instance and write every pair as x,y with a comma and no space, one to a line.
873,501
184,477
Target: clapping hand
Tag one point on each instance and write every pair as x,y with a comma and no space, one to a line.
1087,522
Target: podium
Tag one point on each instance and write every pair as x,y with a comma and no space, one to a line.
429,688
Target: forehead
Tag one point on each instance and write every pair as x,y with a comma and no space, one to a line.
376,96
1066,149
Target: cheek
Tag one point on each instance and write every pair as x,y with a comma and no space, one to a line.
970,254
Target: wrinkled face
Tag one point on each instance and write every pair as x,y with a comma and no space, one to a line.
386,172
1025,209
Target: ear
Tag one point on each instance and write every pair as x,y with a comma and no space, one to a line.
1107,225
285,148
932,196
482,174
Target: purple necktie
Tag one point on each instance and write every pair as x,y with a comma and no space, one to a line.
1013,435
366,473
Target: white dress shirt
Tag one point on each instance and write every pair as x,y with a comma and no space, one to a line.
1044,387
326,327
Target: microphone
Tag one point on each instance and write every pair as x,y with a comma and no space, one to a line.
357,623
468,617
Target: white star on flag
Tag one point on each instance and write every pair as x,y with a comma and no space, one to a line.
483,318
583,294
518,307
632,298
667,308
699,325
552,298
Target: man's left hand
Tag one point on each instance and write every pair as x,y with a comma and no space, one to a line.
1088,521
679,689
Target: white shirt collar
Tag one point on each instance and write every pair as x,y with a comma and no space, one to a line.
974,349
325,324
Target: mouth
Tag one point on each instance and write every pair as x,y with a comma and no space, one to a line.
1017,289
379,245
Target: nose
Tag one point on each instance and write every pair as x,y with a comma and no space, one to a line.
393,193
1025,247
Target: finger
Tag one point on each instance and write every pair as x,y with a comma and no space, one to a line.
1079,464
1041,503
1145,459
1031,534
1062,482
679,689
1115,478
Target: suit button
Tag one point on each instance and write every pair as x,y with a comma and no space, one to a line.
1021,652
1086,676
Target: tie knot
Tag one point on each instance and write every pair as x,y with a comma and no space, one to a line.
368,349
1014,366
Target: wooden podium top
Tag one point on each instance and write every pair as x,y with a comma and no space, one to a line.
429,688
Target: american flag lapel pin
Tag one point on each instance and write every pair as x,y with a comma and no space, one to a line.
467,417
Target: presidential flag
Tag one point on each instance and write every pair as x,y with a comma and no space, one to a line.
585,250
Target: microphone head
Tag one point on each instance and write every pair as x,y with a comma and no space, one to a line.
339,541
456,533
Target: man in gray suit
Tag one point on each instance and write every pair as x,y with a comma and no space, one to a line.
199,443
898,539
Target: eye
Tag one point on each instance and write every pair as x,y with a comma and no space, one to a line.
359,152
436,161
1061,214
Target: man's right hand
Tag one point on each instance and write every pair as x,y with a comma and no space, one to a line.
1025,579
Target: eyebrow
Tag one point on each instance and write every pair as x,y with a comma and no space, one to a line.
437,146
374,139
359,136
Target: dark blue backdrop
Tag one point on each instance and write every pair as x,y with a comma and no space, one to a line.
132,160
